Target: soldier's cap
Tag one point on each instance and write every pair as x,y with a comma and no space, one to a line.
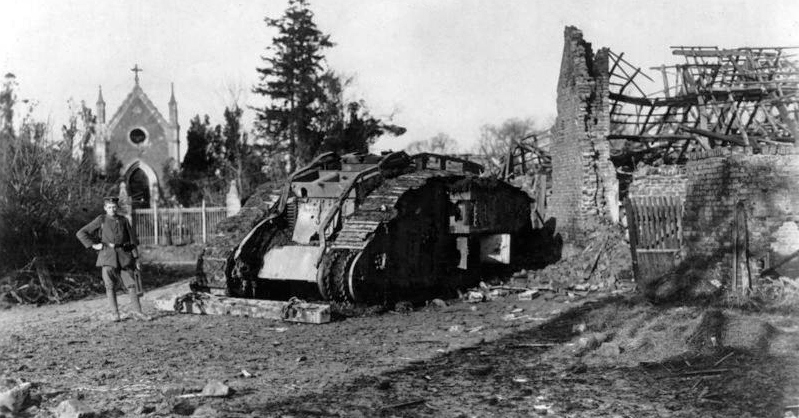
111,199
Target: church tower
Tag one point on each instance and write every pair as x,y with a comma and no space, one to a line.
100,137
142,140
175,127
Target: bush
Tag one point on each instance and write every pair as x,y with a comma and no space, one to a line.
47,192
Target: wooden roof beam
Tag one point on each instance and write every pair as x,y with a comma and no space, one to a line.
735,139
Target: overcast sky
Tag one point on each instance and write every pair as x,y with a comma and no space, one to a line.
438,65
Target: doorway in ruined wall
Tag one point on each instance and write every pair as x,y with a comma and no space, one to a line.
655,226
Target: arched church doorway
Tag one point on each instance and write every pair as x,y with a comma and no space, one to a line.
139,188
142,184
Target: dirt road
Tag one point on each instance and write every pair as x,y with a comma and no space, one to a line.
460,360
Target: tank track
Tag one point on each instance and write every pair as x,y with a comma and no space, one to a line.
379,208
358,229
335,280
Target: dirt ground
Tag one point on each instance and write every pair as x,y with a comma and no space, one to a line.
461,360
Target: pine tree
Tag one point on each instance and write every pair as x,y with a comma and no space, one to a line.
290,80
348,126
200,138
199,176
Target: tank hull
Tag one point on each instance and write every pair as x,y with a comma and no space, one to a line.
424,229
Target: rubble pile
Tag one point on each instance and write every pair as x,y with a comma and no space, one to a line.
604,264
35,283
233,228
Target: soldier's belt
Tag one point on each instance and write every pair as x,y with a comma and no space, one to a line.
116,245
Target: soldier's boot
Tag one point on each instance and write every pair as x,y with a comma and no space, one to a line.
134,301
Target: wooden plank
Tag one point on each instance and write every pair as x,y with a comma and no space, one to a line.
678,220
208,304
656,224
641,219
633,232
662,221
668,222
662,224
671,222
655,207
650,222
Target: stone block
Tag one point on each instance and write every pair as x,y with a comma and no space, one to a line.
215,388
72,408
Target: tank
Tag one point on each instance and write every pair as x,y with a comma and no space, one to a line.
369,228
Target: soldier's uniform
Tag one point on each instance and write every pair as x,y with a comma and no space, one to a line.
117,257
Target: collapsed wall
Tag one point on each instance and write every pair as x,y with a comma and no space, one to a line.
583,178
719,199
743,204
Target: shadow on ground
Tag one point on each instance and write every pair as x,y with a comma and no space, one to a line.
514,376
158,275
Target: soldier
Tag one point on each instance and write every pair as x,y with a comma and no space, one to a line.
117,256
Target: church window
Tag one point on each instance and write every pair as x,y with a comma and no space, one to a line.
137,136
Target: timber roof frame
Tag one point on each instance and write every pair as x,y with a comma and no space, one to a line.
739,97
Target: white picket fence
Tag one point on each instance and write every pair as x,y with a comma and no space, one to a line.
176,226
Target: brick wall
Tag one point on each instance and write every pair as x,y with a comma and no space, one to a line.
583,178
766,184
659,181
605,189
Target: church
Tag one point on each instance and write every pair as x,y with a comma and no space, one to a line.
142,140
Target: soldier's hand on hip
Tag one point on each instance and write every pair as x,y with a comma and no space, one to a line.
97,246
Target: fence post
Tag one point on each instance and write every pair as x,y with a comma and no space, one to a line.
204,223
155,221
180,225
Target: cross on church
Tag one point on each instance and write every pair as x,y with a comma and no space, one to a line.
136,71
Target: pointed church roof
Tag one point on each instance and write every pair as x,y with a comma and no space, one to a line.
172,97
137,92
100,96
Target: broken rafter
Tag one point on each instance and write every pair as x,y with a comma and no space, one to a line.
713,52
651,138
735,139
619,58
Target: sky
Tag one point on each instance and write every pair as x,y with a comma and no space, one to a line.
432,66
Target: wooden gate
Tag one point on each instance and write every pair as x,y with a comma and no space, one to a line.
655,225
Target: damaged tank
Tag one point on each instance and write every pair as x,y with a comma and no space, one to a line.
368,228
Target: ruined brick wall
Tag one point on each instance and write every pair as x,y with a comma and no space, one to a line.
604,190
668,180
766,184
583,178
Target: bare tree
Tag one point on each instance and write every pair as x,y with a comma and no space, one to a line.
495,141
81,126
441,143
